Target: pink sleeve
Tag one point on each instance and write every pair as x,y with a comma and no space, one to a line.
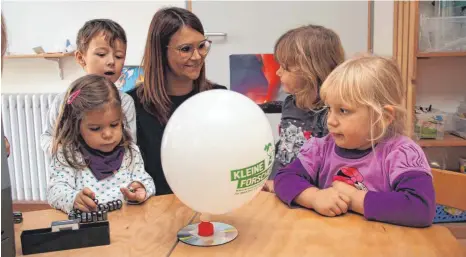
404,158
311,155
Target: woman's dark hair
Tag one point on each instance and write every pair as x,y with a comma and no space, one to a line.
153,92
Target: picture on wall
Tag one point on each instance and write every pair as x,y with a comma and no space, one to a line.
254,75
130,75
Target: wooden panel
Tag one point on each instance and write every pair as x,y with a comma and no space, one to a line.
404,45
406,26
135,230
26,206
267,227
415,35
400,44
458,230
411,89
463,243
450,188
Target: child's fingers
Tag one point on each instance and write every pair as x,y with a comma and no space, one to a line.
86,191
335,209
266,187
88,202
84,200
7,147
128,194
270,186
82,207
342,205
79,204
345,198
135,192
140,194
331,213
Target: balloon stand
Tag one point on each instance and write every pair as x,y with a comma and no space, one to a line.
207,234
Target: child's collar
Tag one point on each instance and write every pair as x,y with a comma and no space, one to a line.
351,153
102,164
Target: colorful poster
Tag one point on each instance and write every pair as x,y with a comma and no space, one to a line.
254,75
130,75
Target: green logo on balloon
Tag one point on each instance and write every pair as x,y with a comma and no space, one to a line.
249,178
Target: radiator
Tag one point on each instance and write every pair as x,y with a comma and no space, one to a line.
23,118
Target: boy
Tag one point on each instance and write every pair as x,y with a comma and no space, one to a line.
101,49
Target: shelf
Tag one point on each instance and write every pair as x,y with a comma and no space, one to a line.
448,140
440,54
56,57
47,55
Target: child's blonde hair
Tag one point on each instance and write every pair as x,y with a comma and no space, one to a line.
315,51
374,82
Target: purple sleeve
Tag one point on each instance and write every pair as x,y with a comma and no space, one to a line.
291,180
411,203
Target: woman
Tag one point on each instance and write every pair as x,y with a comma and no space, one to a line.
174,70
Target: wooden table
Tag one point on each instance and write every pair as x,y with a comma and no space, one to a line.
266,228
135,230
269,228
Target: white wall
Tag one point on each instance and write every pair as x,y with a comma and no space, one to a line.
254,26
39,75
383,28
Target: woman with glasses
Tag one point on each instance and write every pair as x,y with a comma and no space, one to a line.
174,70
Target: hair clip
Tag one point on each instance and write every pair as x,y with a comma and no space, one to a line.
73,96
321,109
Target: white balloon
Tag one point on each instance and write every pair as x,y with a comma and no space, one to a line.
217,151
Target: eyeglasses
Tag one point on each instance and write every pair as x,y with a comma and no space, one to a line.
186,51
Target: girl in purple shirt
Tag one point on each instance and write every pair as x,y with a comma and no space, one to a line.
366,164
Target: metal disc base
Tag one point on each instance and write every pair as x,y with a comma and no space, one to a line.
223,233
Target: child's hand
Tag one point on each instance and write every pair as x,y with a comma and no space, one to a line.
85,201
330,202
268,187
138,194
356,196
7,146
344,188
